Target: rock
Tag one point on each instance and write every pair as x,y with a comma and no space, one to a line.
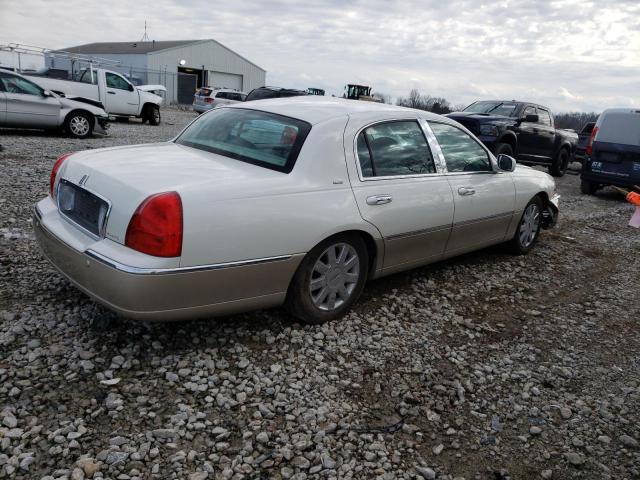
535,430
110,382
198,476
628,441
262,437
77,474
171,377
574,458
164,434
565,412
437,450
546,474
426,472
90,468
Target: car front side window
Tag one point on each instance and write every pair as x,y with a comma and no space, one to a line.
393,149
116,81
13,84
461,152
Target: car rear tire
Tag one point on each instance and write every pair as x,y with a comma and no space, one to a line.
153,115
504,149
528,229
79,124
560,164
329,280
587,187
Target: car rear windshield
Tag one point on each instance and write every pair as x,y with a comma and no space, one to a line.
506,109
204,92
260,138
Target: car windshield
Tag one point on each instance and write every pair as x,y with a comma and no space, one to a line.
260,138
506,109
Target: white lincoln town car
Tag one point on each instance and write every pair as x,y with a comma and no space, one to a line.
295,201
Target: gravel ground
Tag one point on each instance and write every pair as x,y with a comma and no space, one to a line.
489,366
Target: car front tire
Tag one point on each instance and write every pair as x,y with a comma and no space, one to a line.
79,124
153,115
329,280
587,187
528,229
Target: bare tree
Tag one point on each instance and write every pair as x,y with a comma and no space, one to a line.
425,102
386,98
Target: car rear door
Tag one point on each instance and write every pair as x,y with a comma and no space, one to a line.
399,189
26,105
121,96
484,198
616,148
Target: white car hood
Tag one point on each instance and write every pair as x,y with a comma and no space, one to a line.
152,88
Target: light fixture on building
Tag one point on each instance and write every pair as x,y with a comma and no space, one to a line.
182,62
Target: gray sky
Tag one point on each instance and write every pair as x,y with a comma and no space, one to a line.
568,54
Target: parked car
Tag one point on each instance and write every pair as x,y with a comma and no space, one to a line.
23,104
520,129
109,90
613,151
583,141
263,93
207,98
297,201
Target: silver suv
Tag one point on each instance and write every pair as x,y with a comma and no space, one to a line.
207,98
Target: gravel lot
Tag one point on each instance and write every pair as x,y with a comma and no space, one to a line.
489,366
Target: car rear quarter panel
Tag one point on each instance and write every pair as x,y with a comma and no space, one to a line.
285,215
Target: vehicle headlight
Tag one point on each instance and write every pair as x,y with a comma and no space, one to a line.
489,130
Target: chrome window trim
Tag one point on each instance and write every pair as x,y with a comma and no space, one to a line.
391,177
176,270
103,227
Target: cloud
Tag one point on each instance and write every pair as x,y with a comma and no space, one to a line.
460,49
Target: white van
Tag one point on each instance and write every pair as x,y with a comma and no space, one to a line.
613,151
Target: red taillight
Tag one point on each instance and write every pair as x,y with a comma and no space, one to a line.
589,149
156,226
209,99
54,172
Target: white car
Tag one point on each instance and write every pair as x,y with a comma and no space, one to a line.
23,104
297,201
207,98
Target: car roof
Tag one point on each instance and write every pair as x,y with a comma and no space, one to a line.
315,109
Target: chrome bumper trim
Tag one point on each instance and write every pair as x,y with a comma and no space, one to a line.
196,268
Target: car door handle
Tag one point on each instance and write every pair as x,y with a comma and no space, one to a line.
379,199
112,93
464,191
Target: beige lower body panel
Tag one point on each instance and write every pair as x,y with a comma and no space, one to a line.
171,296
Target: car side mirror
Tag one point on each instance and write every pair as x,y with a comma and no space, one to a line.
47,93
506,163
131,88
531,118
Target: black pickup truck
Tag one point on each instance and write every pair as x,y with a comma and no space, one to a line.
523,130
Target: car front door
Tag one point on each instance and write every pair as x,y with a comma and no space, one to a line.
400,189
26,105
121,97
527,134
3,106
484,197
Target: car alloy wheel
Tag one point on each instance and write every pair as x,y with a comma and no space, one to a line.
334,277
530,225
79,126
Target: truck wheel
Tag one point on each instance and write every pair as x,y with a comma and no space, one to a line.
504,149
587,187
560,164
79,124
329,280
153,114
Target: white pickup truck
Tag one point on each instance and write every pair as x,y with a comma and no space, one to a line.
111,90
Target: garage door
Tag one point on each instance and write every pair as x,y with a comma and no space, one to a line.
186,87
225,80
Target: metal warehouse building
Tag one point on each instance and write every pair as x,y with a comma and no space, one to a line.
180,65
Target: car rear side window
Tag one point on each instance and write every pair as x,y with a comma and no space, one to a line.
260,138
461,152
393,149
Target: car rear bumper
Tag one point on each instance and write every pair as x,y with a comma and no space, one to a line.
201,108
609,179
167,293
